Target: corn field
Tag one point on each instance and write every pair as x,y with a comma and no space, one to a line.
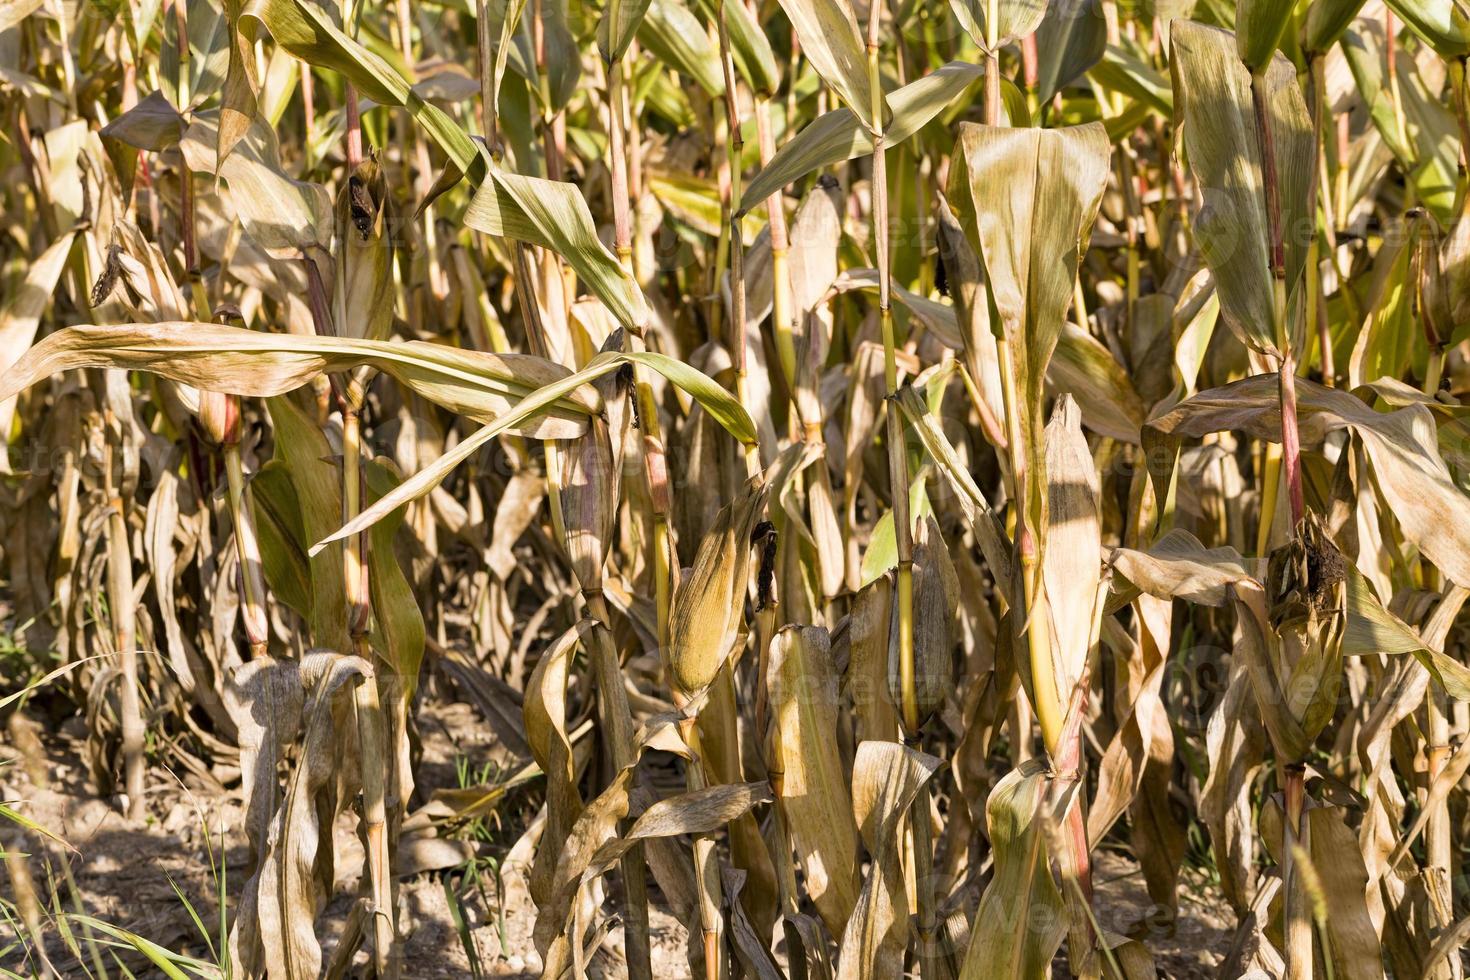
812,489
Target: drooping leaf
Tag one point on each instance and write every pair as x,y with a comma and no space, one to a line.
317,487
676,38
715,400
308,32
1071,560
1069,41
213,357
398,623
830,39
620,20
554,215
238,99
21,316
1214,109
200,75
153,124
1443,24
1020,922
1325,22
1259,25
284,216
1014,19
1412,118
840,134
1027,200
1402,448
749,45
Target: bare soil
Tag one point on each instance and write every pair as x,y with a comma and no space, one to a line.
126,873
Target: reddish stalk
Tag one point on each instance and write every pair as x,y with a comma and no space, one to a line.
1290,434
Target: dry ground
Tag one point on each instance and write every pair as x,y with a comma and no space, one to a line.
125,873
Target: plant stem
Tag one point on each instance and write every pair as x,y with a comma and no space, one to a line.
898,476
353,141
377,757
992,64
928,919
372,741
612,699
706,864
1315,312
123,612
781,297
1297,904
247,544
1290,435
616,721
736,148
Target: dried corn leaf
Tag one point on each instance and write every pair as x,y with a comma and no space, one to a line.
274,930
714,399
545,712
886,778
20,318
1213,107
284,216
828,32
248,362
1027,199
1021,919
841,134
936,597
874,712
1402,446
1071,561
807,771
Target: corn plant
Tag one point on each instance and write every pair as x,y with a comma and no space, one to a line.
893,461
